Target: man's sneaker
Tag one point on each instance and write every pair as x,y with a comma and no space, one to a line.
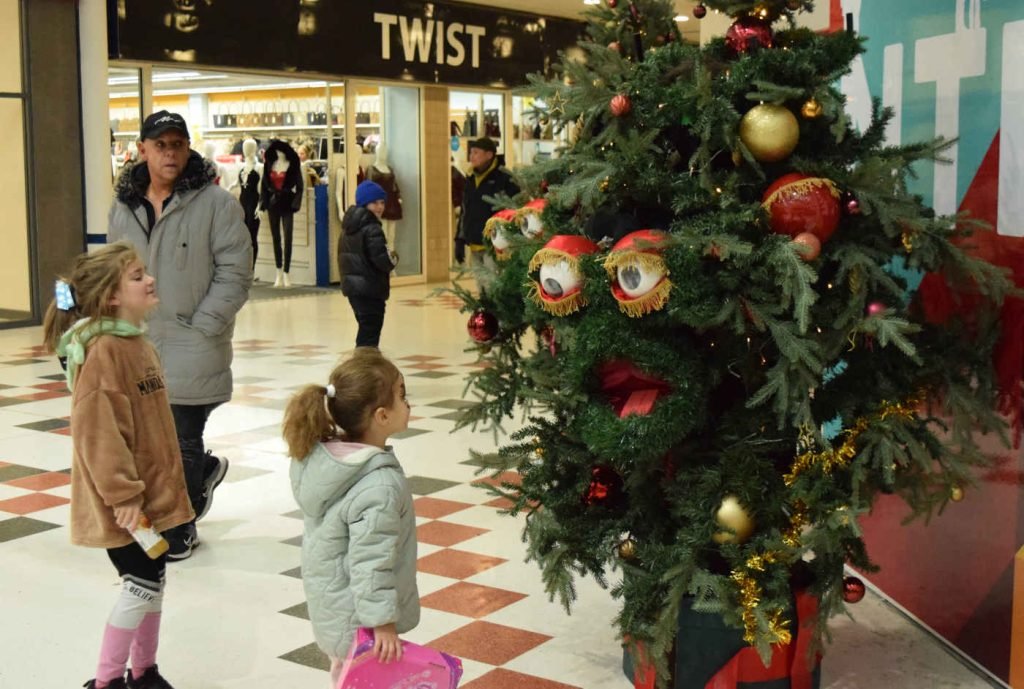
216,469
181,539
150,679
114,684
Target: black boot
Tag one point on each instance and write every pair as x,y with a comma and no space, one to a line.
114,684
150,679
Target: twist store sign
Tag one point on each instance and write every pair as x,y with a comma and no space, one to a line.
437,42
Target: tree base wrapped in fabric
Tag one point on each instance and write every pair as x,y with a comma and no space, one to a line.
712,655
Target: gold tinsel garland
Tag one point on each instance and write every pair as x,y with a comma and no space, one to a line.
750,598
749,589
835,457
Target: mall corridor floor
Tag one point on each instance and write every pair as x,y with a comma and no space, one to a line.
234,613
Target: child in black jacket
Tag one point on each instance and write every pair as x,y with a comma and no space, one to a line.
365,262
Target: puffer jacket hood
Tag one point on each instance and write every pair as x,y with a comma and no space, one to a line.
316,496
133,181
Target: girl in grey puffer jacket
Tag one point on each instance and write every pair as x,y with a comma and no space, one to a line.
359,539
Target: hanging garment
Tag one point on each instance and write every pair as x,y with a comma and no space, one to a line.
393,204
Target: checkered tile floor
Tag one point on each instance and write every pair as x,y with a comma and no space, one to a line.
235,615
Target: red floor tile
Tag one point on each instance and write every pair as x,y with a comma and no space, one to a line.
446,534
426,366
57,385
27,504
435,508
500,503
41,481
470,600
457,564
504,477
486,642
43,395
62,431
501,678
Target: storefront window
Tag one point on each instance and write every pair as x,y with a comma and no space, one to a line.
533,137
225,109
398,150
15,272
476,114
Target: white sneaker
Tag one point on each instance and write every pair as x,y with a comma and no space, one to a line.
280,278
287,282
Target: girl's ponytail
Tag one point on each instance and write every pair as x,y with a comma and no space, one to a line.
60,315
306,421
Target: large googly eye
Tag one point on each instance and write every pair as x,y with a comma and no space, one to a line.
499,240
558,279
637,279
531,226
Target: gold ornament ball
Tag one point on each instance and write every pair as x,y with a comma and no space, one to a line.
732,515
605,184
956,494
811,109
770,132
627,549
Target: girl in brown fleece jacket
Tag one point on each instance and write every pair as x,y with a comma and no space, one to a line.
126,462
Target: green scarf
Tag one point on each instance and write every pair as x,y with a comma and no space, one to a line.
73,343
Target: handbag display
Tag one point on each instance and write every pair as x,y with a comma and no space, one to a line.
363,112
316,116
219,117
289,112
248,117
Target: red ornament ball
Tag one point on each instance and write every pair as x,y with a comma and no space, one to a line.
700,11
482,326
544,186
605,487
850,204
748,34
797,203
810,245
876,308
616,46
620,105
613,3
853,590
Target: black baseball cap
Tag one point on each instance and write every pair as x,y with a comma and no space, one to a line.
484,144
159,122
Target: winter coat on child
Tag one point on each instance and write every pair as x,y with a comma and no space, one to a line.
363,257
358,544
122,433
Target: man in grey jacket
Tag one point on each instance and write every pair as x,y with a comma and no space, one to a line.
193,238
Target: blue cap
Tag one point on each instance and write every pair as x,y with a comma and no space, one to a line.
367,192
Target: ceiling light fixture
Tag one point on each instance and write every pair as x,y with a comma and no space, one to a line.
681,18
